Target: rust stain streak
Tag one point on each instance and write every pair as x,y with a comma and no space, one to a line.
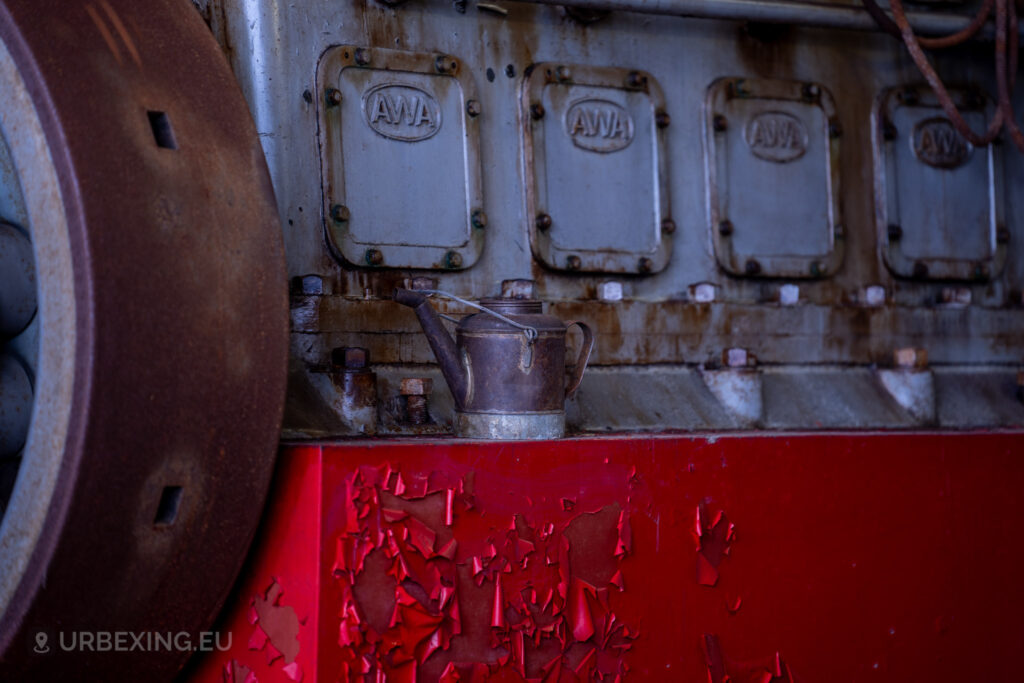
105,32
122,31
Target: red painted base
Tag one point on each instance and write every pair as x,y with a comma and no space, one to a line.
852,557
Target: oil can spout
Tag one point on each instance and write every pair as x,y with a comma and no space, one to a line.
441,343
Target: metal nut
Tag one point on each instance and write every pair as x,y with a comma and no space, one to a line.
473,108
719,123
374,257
752,267
573,262
453,259
416,386
543,221
340,213
362,56
563,73
537,111
725,228
479,219
668,226
894,232
662,119
635,79
445,64
644,265
811,91
333,97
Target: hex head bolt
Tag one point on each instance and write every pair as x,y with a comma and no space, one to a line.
415,390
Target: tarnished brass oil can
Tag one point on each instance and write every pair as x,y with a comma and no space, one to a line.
505,367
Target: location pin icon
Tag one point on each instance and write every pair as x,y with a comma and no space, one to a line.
41,646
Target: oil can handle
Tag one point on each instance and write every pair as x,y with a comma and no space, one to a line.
581,362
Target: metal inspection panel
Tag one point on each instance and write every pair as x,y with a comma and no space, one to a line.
772,161
939,201
400,155
597,195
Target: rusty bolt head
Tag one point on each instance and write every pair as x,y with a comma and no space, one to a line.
662,119
453,259
537,111
644,265
445,64
362,56
573,262
543,221
895,232
350,357
635,79
811,91
416,386
980,272
473,108
479,219
752,267
725,228
719,123
889,131
333,97
910,358
340,213
563,73
374,257
668,226
835,128
816,269
1002,234
920,269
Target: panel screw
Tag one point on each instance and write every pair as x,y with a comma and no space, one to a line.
362,56
543,221
563,73
340,214
479,219
920,269
473,108
668,226
739,88
333,97
537,111
635,79
453,259
816,269
725,228
895,232
644,265
811,91
1002,234
662,119
445,64
374,257
573,262
752,267
835,129
719,123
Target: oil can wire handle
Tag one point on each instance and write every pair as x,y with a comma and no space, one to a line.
584,358
530,332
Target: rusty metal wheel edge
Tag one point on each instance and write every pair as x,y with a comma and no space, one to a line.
163,330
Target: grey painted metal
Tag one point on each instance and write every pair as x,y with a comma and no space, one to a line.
596,168
816,351
772,11
772,158
960,231
399,135
510,426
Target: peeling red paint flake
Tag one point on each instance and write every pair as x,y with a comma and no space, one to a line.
545,622
276,631
774,670
713,540
234,672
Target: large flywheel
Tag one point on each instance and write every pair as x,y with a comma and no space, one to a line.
143,332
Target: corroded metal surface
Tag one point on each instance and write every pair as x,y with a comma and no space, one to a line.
179,318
